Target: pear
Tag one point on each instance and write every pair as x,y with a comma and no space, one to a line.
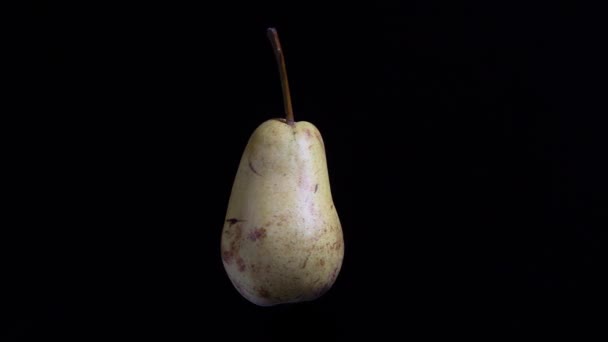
282,240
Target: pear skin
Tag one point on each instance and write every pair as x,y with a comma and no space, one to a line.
282,240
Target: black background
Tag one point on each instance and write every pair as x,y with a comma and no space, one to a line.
466,150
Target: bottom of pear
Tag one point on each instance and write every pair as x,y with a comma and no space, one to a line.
266,300
263,302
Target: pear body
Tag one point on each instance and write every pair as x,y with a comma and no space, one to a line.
282,240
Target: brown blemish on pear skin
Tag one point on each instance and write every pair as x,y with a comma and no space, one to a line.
305,261
235,244
233,221
308,134
227,256
241,264
281,219
253,169
263,292
322,262
257,233
316,187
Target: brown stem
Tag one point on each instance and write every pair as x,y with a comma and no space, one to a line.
278,52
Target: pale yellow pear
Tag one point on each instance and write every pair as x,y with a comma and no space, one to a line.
282,240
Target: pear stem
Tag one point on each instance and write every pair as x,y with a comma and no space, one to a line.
278,52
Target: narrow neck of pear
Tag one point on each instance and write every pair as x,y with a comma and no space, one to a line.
278,52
